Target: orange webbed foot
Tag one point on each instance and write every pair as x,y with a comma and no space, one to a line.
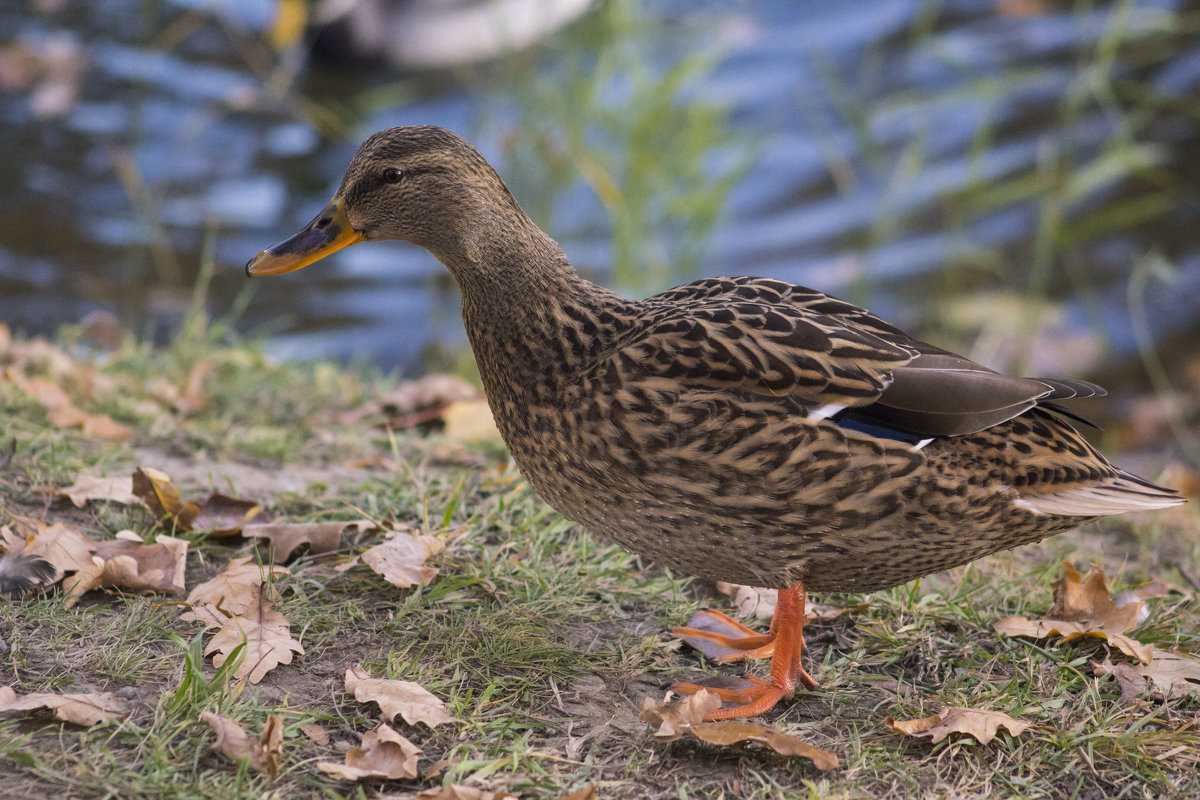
726,640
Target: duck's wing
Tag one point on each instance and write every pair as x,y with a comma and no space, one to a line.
695,337
837,360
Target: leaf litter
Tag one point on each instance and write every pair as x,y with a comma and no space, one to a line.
685,717
384,754
261,754
79,708
980,724
395,698
1084,609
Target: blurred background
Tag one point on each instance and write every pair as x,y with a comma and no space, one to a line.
1016,179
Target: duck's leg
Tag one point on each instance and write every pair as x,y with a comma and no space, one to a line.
786,646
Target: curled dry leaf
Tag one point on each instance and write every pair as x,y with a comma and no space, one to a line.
410,700
456,791
672,721
80,709
1084,608
114,489
401,559
729,733
758,603
131,565
234,590
285,537
384,754
262,754
266,634
219,515
157,493
983,725
1169,675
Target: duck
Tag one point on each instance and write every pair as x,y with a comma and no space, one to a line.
738,429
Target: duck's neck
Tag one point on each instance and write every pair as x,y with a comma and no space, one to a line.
532,320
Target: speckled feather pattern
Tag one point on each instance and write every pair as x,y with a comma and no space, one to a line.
703,427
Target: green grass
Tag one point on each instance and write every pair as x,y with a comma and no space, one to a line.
542,640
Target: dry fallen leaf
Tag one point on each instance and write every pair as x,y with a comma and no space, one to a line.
128,563
384,754
315,734
983,725
232,740
92,487
285,537
267,636
410,700
1169,675
456,791
235,590
157,493
221,515
62,413
672,721
470,421
80,709
1084,608
401,559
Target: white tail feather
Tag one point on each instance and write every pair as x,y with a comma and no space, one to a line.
1117,496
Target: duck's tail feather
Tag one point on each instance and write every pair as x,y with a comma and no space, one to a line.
1117,495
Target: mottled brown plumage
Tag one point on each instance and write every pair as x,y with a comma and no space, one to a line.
738,429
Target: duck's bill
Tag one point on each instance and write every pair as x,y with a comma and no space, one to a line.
329,232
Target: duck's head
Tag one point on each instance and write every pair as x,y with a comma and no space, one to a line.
421,184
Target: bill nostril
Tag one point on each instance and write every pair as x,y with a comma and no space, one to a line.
324,222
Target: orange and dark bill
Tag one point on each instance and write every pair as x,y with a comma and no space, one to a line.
329,232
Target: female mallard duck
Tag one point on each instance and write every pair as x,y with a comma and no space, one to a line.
736,429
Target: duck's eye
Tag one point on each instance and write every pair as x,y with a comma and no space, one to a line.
392,175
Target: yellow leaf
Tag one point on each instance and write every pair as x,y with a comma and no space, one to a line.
671,720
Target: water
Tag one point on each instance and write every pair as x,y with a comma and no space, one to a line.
910,156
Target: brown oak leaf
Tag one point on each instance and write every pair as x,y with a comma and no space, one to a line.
262,754
401,559
1084,608
80,709
384,754
1169,675
672,721
981,724
410,700
267,636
